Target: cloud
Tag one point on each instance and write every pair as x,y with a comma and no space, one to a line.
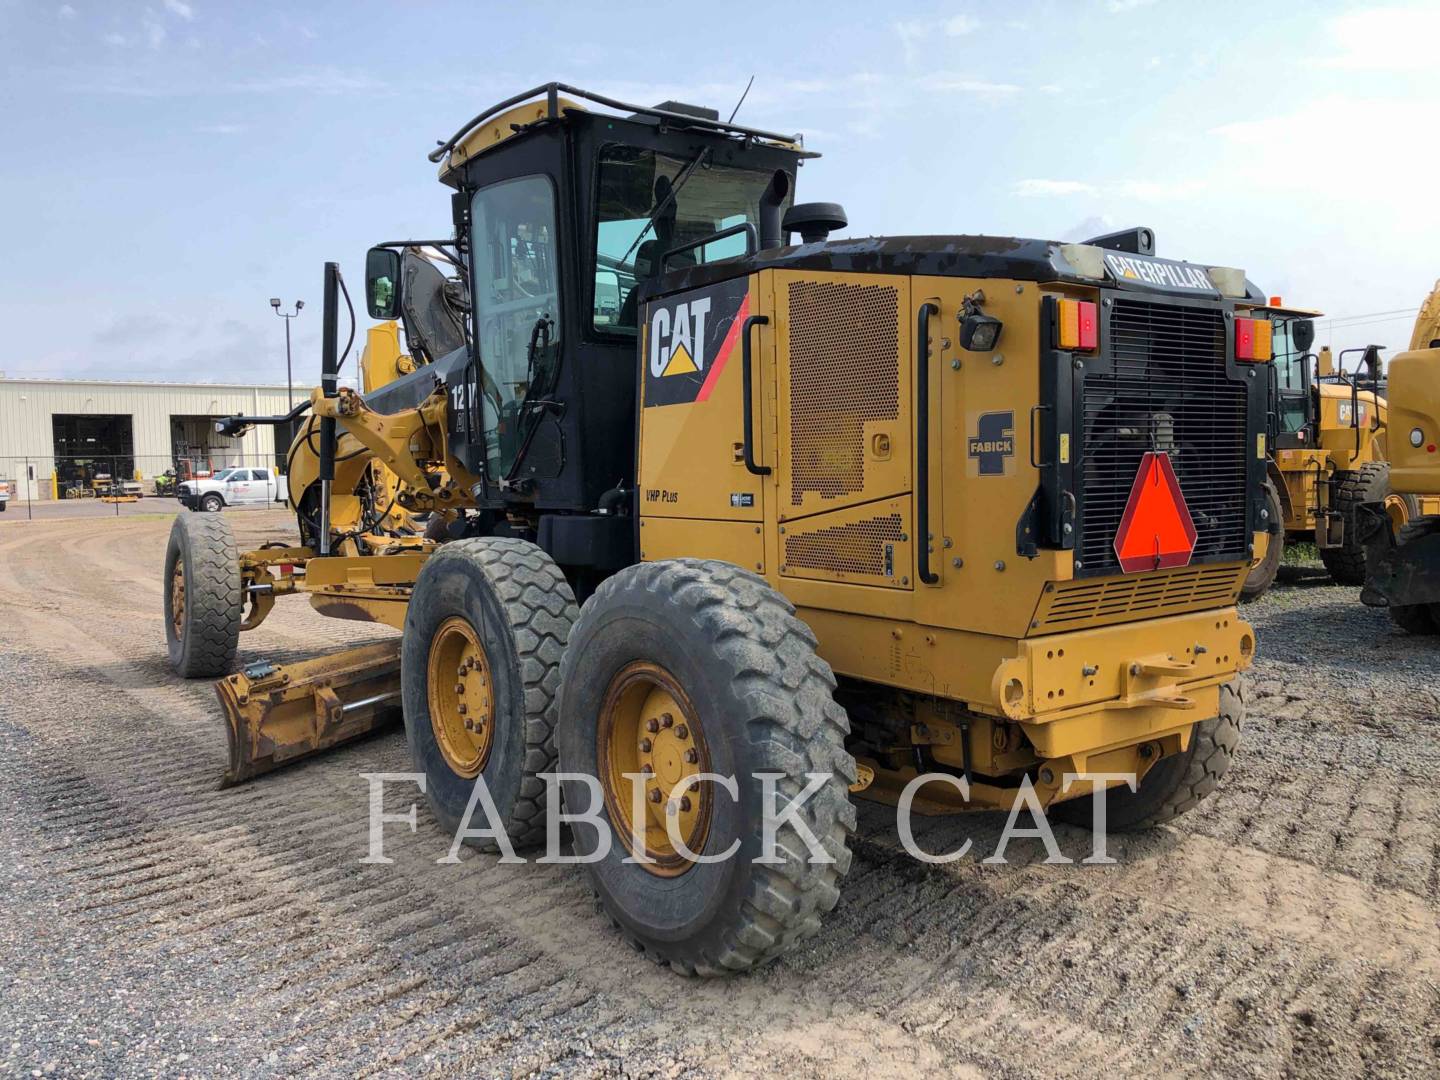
1037,188
912,32
990,91
1129,190
156,83
957,25
180,8
65,11
1384,39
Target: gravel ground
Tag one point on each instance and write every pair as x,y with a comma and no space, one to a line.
155,925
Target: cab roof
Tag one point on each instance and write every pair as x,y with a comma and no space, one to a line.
514,115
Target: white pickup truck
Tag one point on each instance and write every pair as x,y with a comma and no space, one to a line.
245,486
5,490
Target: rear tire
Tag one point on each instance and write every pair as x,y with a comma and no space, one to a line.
1419,619
1369,483
745,670
1262,574
1177,784
511,602
203,596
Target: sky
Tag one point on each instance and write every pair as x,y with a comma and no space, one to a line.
170,165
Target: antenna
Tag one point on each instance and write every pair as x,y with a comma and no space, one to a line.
742,100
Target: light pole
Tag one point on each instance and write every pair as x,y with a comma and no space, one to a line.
289,376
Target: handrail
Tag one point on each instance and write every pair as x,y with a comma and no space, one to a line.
752,241
922,439
745,395
552,92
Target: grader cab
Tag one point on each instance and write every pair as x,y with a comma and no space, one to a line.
842,513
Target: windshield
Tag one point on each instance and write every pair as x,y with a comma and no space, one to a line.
223,474
650,203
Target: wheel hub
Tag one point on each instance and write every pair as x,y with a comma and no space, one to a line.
651,747
1397,512
177,599
462,697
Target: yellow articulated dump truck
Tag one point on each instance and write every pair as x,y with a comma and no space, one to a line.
1403,569
1328,437
842,513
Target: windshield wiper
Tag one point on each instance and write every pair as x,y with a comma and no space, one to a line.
670,196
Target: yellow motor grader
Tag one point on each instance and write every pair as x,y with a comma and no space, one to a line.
842,513
1329,447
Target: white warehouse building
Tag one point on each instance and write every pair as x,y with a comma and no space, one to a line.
57,435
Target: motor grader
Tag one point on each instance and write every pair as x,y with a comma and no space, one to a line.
1328,437
841,513
1403,568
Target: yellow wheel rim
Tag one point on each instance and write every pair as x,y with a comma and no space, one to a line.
462,697
177,598
649,727
1397,512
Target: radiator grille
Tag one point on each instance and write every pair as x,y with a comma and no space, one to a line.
844,371
1119,599
857,547
1166,387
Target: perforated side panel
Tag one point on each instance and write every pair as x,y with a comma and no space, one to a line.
844,370
857,547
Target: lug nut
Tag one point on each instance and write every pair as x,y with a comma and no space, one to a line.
684,803
666,720
654,794
459,687
462,671
462,710
644,746
647,769
652,725
691,756
682,731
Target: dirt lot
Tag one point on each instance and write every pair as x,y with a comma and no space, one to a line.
156,925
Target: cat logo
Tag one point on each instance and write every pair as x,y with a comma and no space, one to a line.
992,447
677,338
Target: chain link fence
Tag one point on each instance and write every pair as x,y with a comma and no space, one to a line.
57,486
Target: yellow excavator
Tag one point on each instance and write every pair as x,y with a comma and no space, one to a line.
957,519
1403,568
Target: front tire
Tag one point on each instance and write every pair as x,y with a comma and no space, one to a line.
212,504
203,596
485,629
1177,784
710,648
1370,483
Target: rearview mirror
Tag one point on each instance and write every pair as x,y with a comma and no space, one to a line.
382,283
1302,333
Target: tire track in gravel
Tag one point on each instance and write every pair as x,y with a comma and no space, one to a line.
1234,950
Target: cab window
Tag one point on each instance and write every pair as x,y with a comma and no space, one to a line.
649,203
517,307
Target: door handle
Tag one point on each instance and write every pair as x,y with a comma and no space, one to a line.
922,439
746,380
